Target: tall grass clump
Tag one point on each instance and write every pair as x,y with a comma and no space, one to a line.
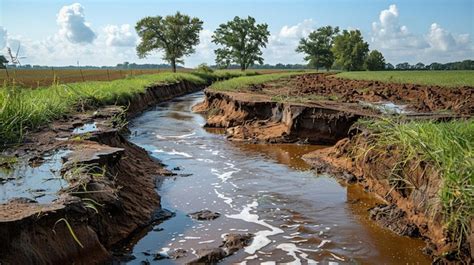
243,82
448,148
23,110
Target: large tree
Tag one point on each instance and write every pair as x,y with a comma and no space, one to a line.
175,35
317,47
375,61
350,50
242,41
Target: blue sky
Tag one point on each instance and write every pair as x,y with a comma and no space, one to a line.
101,32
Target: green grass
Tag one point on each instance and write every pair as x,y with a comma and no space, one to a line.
448,147
242,83
440,78
23,110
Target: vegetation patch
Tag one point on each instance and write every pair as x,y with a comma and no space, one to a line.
439,78
448,148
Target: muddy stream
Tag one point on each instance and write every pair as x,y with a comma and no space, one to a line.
296,215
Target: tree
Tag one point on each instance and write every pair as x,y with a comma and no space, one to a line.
350,50
375,61
175,35
242,40
389,66
318,46
403,66
420,66
3,62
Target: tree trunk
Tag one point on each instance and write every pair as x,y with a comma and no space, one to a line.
173,65
242,67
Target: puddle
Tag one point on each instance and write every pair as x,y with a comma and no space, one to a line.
385,107
86,128
39,180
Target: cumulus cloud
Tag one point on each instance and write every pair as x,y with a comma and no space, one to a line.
73,26
121,36
398,43
282,44
389,34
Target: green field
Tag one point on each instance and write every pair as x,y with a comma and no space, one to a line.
24,109
440,78
243,82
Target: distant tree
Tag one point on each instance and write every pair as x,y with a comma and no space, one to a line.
375,61
175,35
317,47
419,66
403,66
389,66
437,66
350,50
3,62
243,40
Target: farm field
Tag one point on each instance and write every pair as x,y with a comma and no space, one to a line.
437,78
188,132
45,77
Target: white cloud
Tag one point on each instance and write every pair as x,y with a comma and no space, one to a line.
121,36
281,46
73,26
399,44
389,34
3,37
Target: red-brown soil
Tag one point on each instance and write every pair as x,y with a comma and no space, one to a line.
124,194
409,210
420,98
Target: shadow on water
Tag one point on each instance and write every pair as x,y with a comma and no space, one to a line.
267,190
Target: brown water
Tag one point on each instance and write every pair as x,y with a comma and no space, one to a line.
268,190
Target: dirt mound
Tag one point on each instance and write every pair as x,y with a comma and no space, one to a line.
420,98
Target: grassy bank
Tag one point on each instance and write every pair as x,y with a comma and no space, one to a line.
23,110
440,78
448,147
240,84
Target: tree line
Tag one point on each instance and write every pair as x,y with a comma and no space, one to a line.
241,40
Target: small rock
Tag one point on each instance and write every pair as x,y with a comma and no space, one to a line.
204,215
176,168
177,253
235,242
208,256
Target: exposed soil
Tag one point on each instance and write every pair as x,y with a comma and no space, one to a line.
408,210
320,109
111,191
420,98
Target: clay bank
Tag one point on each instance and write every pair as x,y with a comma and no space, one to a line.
143,179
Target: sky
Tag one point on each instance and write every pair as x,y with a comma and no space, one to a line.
101,32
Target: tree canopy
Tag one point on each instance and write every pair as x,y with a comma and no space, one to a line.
317,47
375,61
350,50
242,41
175,35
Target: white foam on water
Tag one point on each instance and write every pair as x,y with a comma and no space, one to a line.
226,199
192,237
206,242
251,257
323,243
337,257
173,152
268,263
260,239
181,136
292,249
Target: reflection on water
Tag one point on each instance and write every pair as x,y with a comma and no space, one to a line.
39,182
266,190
